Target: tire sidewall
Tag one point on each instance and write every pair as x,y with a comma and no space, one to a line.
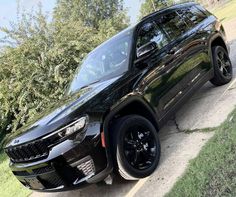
218,74
123,165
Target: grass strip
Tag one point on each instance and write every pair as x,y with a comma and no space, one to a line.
213,172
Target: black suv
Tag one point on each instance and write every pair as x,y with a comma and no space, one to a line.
121,95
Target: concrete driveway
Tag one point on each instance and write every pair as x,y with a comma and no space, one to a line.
209,107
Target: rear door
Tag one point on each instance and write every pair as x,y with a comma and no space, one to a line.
178,62
197,46
186,62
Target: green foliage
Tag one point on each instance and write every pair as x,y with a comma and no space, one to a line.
149,6
90,12
40,57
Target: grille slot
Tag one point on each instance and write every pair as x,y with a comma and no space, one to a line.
43,170
85,165
37,171
21,173
28,152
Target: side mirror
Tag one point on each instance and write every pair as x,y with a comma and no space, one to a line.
147,27
145,49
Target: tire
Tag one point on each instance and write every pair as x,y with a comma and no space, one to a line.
223,71
136,147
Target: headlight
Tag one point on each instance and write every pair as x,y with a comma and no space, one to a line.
77,126
73,127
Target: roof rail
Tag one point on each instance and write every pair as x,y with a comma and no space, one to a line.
175,6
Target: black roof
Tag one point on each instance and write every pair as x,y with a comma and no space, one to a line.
173,7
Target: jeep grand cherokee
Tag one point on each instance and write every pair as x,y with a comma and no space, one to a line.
121,95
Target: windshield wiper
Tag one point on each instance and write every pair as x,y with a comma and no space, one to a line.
89,84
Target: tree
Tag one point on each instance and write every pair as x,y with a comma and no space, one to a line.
40,57
90,12
149,6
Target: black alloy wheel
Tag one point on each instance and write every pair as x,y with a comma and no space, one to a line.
136,147
140,147
222,66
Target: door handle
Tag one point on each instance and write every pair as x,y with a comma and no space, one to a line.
199,32
172,51
175,51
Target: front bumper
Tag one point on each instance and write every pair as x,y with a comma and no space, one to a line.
69,165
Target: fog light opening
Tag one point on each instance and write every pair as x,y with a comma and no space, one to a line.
86,167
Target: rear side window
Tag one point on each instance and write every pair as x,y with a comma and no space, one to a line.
192,15
173,25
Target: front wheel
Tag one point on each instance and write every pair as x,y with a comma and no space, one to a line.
136,147
222,66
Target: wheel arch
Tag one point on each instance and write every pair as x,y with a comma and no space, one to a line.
133,105
218,41
130,104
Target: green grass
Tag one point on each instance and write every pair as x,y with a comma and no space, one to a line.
9,185
226,12
213,172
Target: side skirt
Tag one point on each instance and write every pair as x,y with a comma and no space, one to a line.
209,75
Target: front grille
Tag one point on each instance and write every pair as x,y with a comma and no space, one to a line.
28,152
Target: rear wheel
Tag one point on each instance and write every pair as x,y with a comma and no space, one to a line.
136,147
222,66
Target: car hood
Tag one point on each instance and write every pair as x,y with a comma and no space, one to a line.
55,115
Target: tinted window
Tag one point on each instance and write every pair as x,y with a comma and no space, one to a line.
192,15
151,34
106,61
173,25
203,10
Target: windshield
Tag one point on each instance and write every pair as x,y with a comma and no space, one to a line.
106,61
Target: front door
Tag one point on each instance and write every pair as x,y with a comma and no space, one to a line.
166,67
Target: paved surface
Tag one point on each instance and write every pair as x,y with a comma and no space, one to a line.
209,107
230,27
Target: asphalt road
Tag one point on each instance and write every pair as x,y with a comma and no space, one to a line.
209,107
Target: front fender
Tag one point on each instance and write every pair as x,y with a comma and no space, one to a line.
123,102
